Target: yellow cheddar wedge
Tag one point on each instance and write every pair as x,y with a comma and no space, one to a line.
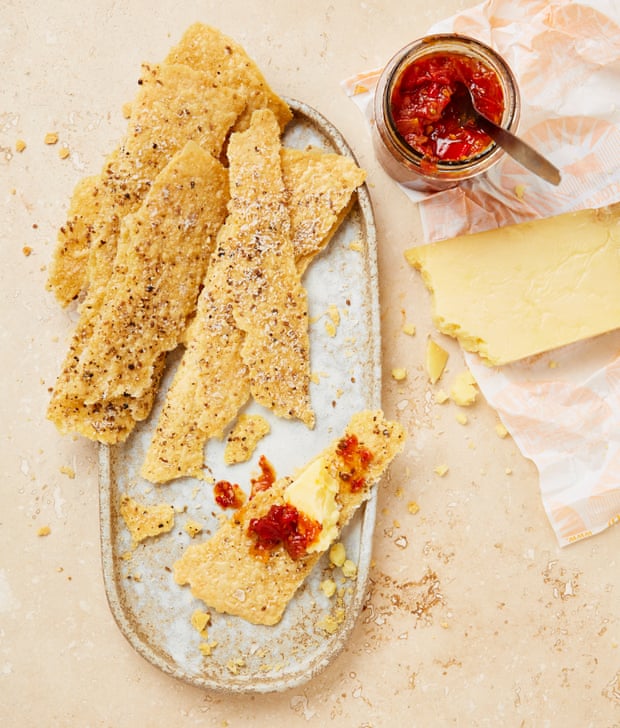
527,288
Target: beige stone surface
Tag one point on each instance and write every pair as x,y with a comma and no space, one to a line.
474,616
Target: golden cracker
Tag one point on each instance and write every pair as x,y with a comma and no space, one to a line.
224,574
161,262
243,439
270,303
211,384
227,63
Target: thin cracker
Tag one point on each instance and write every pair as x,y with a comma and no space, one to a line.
224,574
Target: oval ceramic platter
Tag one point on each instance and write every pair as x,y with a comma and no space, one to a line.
154,612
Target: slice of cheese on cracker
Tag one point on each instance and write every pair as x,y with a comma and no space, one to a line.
224,571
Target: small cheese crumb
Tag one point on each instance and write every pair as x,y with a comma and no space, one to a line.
349,569
461,418
44,531
501,430
355,245
441,470
399,374
64,152
20,145
337,554
360,89
409,329
27,250
520,191
553,364
328,587
441,396
51,138
68,471
413,508
508,471
463,391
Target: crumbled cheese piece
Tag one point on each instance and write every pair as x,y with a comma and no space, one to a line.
64,152
436,360
328,587
464,391
441,396
27,250
508,471
461,418
409,329
441,470
337,554
20,145
413,508
501,430
51,138
68,471
520,191
44,531
349,569
399,374
355,245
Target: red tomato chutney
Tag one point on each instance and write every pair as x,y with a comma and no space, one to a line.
421,108
285,525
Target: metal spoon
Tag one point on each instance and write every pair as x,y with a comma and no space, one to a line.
517,148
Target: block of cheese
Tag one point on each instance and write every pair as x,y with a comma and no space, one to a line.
527,288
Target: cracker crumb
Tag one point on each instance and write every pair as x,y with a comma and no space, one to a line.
20,145
441,470
413,507
207,648
193,528
235,664
200,621
44,531
508,471
399,374
51,138
27,250
68,471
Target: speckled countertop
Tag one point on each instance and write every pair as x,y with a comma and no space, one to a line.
474,616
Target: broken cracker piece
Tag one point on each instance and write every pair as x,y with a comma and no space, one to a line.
226,574
245,436
145,521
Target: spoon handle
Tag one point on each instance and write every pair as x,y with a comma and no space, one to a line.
522,152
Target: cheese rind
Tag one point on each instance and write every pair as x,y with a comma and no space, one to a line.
527,288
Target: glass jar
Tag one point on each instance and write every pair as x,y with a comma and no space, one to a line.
401,160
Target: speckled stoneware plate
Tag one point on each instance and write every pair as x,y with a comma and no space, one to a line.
152,611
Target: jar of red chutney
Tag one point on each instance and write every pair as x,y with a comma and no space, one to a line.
420,138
